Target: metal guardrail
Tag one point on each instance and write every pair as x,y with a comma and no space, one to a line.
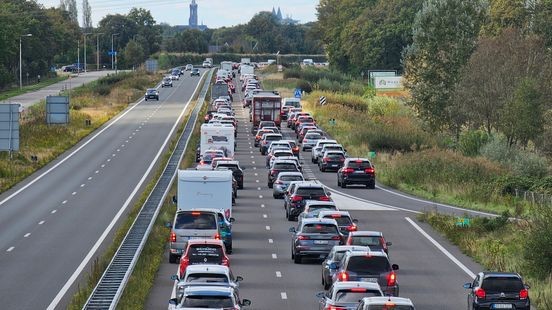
109,289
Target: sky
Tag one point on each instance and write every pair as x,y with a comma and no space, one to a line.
213,13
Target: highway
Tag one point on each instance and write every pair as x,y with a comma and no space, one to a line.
432,271
56,222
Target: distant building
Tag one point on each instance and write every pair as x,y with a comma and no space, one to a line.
194,17
286,21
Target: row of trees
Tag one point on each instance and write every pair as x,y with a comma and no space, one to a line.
262,34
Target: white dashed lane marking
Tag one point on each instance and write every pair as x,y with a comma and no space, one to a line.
278,274
267,227
53,211
41,222
26,235
283,295
265,216
270,241
10,249
274,256
73,193
64,202
262,206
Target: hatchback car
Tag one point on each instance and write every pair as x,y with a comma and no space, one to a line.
369,266
206,275
318,148
209,297
195,72
167,82
310,140
498,290
330,147
372,239
313,207
331,160
357,171
267,140
282,182
189,67
343,218
385,303
335,257
259,135
151,93
294,202
347,295
314,238
281,166
203,251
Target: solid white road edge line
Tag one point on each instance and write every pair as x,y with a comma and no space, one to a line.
441,248
92,251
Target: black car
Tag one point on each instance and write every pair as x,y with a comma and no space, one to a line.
194,72
498,290
314,238
151,93
237,171
333,259
331,160
357,171
299,193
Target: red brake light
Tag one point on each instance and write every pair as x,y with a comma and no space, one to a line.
296,198
324,198
352,228
335,216
369,170
335,308
392,279
343,276
348,170
336,238
480,293
278,182
326,159
523,294
358,290
225,262
173,237
358,161
196,213
301,237
217,236
184,262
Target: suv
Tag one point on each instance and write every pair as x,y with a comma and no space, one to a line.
310,139
343,218
299,193
331,160
189,67
195,72
357,171
318,147
203,251
372,239
313,207
314,238
237,171
330,147
167,82
151,93
280,166
498,290
368,266
267,139
346,295
191,224
206,275
391,303
209,297
282,182
335,256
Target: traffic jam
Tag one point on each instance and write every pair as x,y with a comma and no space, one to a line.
356,272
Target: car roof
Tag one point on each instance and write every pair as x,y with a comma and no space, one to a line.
369,233
330,212
366,253
500,274
318,221
311,184
209,290
332,145
355,284
289,173
388,299
205,241
316,202
151,89
334,152
326,141
344,248
207,268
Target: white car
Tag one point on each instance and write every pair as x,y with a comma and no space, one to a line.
207,64
189,67
369,303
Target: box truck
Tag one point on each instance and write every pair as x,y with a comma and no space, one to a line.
226,65
217,137
210,189
265,106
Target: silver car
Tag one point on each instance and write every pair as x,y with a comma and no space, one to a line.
310,140
282,182
318,147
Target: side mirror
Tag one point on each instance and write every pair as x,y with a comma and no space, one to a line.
389,243
355,221
246,302
174,199
320,295
175,277
329,193
467,286
239,278
173,302
232,220
395,267
292,230
168,225
333,266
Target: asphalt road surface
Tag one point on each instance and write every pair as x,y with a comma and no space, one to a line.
432,271
59,220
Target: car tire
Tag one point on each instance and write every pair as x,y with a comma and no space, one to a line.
322,169
229,250
338,183
297,259
270,185
275,196
326,285
240,186
173,259
371,185
146,99
343,184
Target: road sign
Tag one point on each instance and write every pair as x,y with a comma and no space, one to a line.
57,109
9,127
298,93
112,53
322,100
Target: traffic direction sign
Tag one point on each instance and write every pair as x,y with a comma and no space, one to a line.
298,93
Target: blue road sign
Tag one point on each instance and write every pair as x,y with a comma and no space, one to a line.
298,93
112,53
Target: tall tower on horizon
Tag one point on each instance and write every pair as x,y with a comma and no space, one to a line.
192,22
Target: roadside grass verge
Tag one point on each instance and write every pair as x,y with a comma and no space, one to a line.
137,287
98,102
15,91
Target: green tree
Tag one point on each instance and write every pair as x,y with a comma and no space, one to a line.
133,54
505,14
86,15
444,36
148,32
541,20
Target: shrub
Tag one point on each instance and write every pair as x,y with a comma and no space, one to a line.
538,242
471,142
508,184
305,86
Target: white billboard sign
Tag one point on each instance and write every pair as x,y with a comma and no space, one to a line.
388,82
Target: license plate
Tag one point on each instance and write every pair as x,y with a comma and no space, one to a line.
334,165
501,306
190,238
320,241
372,280
358,172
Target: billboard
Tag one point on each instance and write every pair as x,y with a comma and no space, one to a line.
9,127
57,110
392,82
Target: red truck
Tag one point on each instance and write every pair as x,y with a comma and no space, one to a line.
265,106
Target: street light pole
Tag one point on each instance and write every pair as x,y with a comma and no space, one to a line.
112,51
78,56
85,34
20,59
98,51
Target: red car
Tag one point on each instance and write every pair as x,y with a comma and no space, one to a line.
203,251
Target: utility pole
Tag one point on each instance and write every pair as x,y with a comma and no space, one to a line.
78,57
98,51
21,61
112,51
85,34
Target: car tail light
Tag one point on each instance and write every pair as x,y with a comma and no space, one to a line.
196,213
301,237
324,198
348,170
273,172
358,290
352,228
335,308
295,149
278,182
326,159
343,276
392,279
217,236
184,262
173,236
257,137
336,238
335,216
296,198
523,294
369,170
480,293
342,159
225,262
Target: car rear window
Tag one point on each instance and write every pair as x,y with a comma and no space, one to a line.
319,229
390,307
205,254
502,284
207,278
273,138
310,191
204,301
289,178
350,296
284,166
366,241
335,155
313,136
333,148
281,154
359,165
341,221
193,220
368,265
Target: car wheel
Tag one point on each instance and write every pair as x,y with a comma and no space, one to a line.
322,169
275,196
343,184
240,186
371,185
229,249
297,259
338,183
270,185
327,285
292,255
173,259
146,99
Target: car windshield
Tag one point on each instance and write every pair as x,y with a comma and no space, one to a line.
205,254
502,284
372,242
310,191
211,302
368,265
284,166
313,136
196,220
207,278
390,307
290,178
151,91
359,165
350,296
316,228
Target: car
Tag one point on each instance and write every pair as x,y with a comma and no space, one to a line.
195,72
281,166
313,207
347,295
237,171
175,74
215,160
310,140
343,218
318,148
282,182
388,303
498,290
331,160
264,124
275,154
299,194
357,171
292,158
368,266
203,251
259,135
167,82
300,120
189,224
206,275
151,93
314,238
330,147
294,147
335,257
209,155
206,64
372,239
189,67
280,144
293,118
301,131
267,139
209,297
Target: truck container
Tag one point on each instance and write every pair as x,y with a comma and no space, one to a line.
205,189
217,137
247,69
219,89
226,65
265,106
